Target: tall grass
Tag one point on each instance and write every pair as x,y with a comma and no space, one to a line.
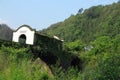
16,64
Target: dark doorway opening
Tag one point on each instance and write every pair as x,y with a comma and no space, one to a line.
22,39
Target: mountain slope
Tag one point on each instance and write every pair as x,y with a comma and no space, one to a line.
92,23
5,32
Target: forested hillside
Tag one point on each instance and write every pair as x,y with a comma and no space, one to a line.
92,23
5,32
94,36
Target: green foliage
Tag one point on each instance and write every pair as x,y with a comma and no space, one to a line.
70,74
75,47
16,54
109,67
102,44
92,23
16,64
102,61
99,63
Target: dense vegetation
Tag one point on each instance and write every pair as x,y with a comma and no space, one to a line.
93,36
92,23
100,62
16,64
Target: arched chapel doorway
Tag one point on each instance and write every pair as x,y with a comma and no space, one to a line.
22,39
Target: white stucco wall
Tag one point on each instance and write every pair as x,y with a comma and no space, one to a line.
27,32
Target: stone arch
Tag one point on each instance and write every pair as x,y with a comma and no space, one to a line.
24,32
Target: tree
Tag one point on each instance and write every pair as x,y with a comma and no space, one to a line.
75,47
80,11
109,67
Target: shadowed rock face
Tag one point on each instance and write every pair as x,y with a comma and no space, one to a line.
5,32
